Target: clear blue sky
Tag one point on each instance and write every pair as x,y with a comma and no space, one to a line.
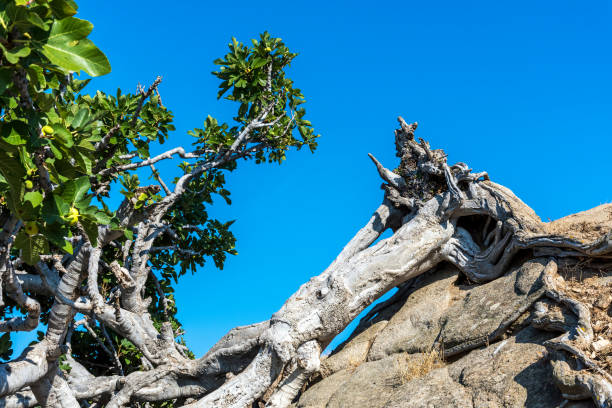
520,89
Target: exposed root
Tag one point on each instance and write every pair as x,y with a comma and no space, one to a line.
589,378
308,363
579,384
480,265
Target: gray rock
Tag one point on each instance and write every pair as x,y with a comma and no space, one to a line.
354,352
416,325
319,394
434,390
486,311
511,373
370,385
459,319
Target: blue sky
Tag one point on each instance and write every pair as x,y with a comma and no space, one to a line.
520,89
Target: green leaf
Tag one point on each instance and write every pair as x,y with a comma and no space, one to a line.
13,55
65,367
61,206
102,218
37,21
80,118
128,234
4,19
259,62
85,144
74,190
62,135
34,197
31,247
91,229
84,161
14,133
56,233
62,8
68,48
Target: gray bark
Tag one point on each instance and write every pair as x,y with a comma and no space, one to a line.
429,206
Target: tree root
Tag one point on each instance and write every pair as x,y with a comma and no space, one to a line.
588,380
424,204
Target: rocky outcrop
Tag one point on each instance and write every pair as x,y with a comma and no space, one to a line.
487,350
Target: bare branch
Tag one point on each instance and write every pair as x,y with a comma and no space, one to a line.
15,291
159,180
164,156
393,179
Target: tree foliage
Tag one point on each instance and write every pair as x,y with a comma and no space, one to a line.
68,156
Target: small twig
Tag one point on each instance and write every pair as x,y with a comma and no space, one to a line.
143,98
159,180
101,145
166,155
111,354
112,348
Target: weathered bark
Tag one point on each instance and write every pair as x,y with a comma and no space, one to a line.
438,213
431,233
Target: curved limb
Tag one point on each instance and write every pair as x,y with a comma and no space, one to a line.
52,391
308,363
137,381
581,384
577,335
477,264
23,399
25,370
390,177
322,307
15,291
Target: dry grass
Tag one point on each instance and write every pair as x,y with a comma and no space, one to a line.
584,226
411,366
588,285
355,358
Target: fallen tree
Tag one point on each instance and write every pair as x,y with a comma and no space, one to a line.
89,273
438,213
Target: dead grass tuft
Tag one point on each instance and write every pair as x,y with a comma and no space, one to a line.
411,366
355,358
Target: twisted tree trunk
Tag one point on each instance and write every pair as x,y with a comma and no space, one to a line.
438,213
429,206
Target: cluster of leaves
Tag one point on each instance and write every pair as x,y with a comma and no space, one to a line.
254,77
41,129
52,158
61,151
48,126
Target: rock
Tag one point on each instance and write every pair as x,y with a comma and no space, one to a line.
600,344
354,352
370,369
370,385
603,302
487,310
441,312
319,394
436,389
416,324
511,373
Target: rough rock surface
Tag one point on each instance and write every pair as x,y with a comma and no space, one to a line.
510,373
493,356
